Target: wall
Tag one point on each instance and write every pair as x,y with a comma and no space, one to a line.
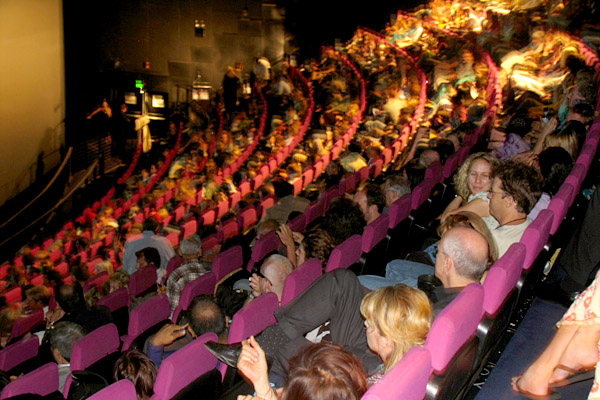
31,90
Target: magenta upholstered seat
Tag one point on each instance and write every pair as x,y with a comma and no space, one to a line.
183,367
210,242
245,188
399,210
450,166
259,180
307,176
463,153
38,280
502,278
252,319
375,232
204,284
560,204
387,156
345,254
434,171
230,229
18,352
318,166
189,228
301,278
376,168
208,217
96,280
24,325
362,174
272,165
62,268
267,203
263,246
298,223
297,186
142,280
227,261
115,300
536,236
179,213
576,177
421,193
454,326
222,208
234,199
40,381
173,238
121,390
174,263
94,248
407,380
152,311
13,295
452,343
91,266
313,212
94,346
248,218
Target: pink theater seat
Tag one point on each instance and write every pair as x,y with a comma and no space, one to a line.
41,381
19,352
151,312
407,380
227,262
142,280
190,228
121,390
263,247
300,279
205,284
345,254
116,300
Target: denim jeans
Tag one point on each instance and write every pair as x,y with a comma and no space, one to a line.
397,271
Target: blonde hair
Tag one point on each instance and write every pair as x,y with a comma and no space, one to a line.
462,176
471,220
400,313
566,139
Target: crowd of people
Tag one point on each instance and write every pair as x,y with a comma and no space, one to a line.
426,90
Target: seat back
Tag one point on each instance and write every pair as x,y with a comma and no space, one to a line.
183,367
94,346
229,229
142,280
399,210
421,193
205,284
375,232
96,280
536,236
313,212
173,238
13,295
190,228
24,325
407,380
345,254
122,390
502,278
298,223
248,218
227,262
151,312
300,279
115,300
434,171
263,246
208,217
41,381
560,204
19,352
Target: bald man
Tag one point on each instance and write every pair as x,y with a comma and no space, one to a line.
272,276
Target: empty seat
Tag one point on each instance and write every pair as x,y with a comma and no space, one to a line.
264,246
148,316
173,238
13,295
227,262
209,217
190,228
229,229
300,279
248,218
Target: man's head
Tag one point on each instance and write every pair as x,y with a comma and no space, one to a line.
63,336
516,188
462,257
191,247
274,271
70,297
371,201
343,219
265,227
428,157
151,224
37,297
204,315
395,187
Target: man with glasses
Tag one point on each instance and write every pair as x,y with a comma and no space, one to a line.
271,276
516,188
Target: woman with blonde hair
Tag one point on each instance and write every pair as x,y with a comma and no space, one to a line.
472,183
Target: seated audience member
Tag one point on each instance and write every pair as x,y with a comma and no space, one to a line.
148,238
428,157
472,184
273,272
299,248
139,369
353,161
319,371
148,256
555,165
70,302
202,316
106,264
343,219
37,298
189,270
62,337
572,355
395,186
516,188
337,295
120,279
8,317
583,112
371,201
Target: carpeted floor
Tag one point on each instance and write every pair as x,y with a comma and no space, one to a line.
533,334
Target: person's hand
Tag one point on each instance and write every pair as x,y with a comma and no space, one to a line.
286,236
548,127
527,157
258,285
168,334
252,364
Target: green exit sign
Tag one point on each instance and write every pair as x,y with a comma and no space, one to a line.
139,84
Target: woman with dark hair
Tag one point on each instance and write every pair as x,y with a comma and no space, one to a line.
555,164
139,369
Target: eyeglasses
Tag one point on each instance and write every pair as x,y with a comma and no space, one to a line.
264,277
502,193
